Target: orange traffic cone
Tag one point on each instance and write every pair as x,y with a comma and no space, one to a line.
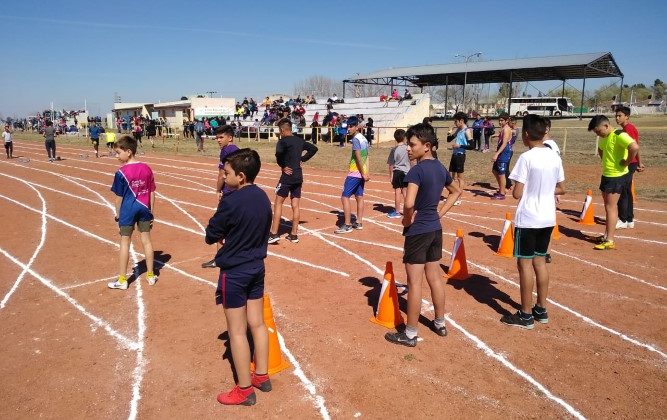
458,265
587,216
276,360
632,189
388,314
555,234
506,244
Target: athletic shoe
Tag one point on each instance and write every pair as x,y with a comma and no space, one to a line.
273,238
498,196
442,331
343,229
600,239
401,338
605,245
357,226
457,202
547,258
261,382
209,264
292,238
118,285
238,396
631,225
151,280
621,224
517,320
394,215
540,315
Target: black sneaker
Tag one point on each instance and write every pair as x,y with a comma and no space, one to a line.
442,331
357,226
518,320
547,258
273,238
401,338
292,238
209,264
540,315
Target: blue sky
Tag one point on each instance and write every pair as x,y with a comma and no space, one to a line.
73,50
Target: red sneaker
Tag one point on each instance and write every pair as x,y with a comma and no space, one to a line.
238,396
261,382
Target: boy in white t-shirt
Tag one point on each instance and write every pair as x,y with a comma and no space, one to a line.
9,144
538,175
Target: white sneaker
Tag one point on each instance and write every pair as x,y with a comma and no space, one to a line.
457,203
621,225
631,225
118,285
151,280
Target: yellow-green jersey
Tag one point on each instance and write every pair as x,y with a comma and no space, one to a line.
614,149
110,136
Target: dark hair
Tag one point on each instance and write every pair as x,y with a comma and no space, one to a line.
426,120
49,123
399,135
424,132
225,129
126,143
534,126
597,121
460,116
284,122
548,120
246,161
624,109
504,116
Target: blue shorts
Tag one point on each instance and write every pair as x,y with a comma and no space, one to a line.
237,286
293,190
353,186
501,167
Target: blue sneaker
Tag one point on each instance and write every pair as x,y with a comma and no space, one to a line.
394,215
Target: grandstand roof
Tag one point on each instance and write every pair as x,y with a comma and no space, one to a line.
563,67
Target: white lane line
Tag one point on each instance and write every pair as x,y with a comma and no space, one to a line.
124,341
503,360
74,286
40,244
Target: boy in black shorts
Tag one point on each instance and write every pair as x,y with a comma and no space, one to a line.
422,211
399,165
461,134
538,175
243,220
289,155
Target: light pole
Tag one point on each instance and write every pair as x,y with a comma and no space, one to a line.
465,75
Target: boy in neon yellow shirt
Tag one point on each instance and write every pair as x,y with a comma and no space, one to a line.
616,149
111,139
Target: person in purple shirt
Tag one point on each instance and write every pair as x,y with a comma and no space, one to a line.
422,211
224,135
134,187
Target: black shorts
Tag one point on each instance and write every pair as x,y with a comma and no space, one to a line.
614,185
423,248
398,180
137,135
529,243
293,190
237,286
457,164
96,142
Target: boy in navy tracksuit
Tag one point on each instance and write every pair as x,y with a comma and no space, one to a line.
243,220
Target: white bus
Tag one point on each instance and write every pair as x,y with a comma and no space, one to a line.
550,106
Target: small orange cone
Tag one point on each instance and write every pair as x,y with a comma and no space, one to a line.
276,360
587,216
506,245
555,234
458,265
388,314
632,189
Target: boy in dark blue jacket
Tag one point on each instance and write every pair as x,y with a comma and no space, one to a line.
243,220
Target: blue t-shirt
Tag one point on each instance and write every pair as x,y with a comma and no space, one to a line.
224,152
461,141
95,132
431,177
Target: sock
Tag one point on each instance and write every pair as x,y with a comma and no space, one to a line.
411,332
439,322
149,274
122,279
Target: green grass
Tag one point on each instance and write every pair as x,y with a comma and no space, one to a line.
582,167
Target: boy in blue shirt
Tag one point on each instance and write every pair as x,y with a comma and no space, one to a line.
427,181
243,220
462,137
95,131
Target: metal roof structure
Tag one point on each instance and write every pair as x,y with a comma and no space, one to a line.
564,67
